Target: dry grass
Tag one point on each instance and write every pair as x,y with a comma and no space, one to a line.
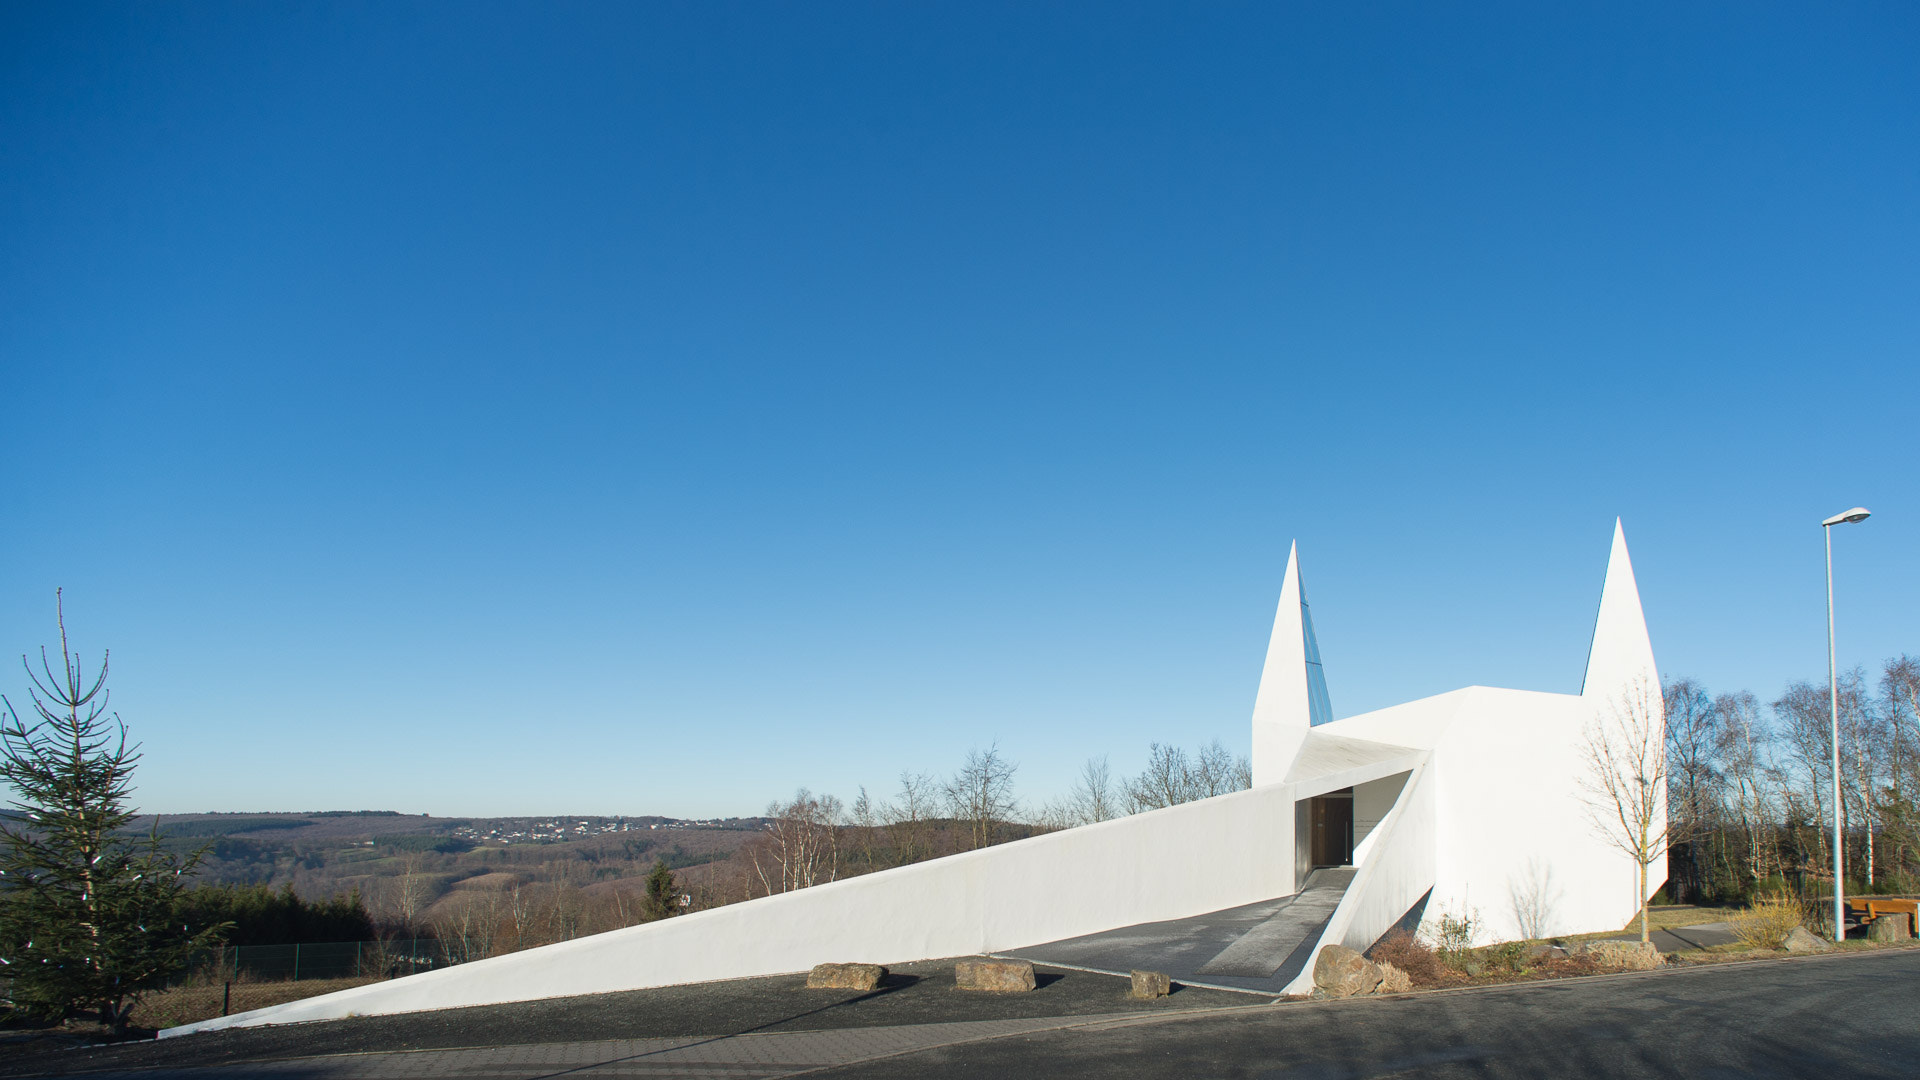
188,1004
1405,952
1767,923
1670,916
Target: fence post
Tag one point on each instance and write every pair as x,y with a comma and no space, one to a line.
296,961
356,959
226,1000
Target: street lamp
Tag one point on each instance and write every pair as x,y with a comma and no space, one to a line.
1858,513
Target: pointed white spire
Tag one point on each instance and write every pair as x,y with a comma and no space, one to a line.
1621,654
1292,690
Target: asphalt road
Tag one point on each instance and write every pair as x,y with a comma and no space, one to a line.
1839,1016
1821,1017
914,994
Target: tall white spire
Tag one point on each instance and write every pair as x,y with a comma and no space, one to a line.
1293,690
1622,654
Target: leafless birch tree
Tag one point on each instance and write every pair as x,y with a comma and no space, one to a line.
802,843
1625,780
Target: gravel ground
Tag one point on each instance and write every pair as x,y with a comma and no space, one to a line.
920,993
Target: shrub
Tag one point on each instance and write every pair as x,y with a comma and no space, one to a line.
1766,924
1508,956
1393,980
1453,934
1406,953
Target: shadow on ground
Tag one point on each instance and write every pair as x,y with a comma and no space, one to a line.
918,993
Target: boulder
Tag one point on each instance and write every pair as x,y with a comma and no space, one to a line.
1542,951
999,976
1800,940
1151,984
1340,972
1893,927
1393,980
845,976
1630,955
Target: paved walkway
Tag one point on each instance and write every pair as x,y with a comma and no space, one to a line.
768,1055
1259,947
1687,938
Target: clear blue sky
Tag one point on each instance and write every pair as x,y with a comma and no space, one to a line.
650,408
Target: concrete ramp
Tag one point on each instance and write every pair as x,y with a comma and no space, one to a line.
1259,947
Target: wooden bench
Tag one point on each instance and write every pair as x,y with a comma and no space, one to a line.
1871,908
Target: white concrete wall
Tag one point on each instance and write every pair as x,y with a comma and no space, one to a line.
1516,834
1184,860
1372,801
1392,871
1514,841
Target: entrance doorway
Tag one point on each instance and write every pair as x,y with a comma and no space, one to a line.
1330,819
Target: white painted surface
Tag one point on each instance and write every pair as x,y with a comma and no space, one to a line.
1490,819
1514,843
1391,874
1281,713
1167,864
1372,801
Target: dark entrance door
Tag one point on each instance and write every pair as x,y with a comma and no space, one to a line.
1332,822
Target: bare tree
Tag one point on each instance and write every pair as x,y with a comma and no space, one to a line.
1625,780
801,843
1164,782
1803,724
1900,703
981,793
1693,740
470,929
909,816
867,820
1172,777
1751,780
1863,740
1093,798
409,894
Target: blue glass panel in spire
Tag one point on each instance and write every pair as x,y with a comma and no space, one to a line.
1319,706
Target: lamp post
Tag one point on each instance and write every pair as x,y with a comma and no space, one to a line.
1858,513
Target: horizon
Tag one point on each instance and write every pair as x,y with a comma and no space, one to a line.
675,407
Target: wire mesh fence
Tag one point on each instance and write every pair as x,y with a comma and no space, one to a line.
322,960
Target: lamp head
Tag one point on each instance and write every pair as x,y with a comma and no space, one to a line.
1858,513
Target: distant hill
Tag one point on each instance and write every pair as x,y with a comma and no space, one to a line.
401,862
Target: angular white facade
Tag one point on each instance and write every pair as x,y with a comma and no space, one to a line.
1469,802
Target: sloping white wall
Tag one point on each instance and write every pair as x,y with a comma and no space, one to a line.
1167,864
1394,868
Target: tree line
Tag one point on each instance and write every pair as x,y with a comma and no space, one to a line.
814,838
1750,786
94,914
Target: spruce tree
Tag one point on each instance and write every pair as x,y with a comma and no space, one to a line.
88,912
660,900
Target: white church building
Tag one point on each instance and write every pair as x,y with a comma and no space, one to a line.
1468,802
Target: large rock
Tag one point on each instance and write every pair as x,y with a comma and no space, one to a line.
845,976
1895,927
1340,972
999,976
1800,940
1151,984
1630,955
